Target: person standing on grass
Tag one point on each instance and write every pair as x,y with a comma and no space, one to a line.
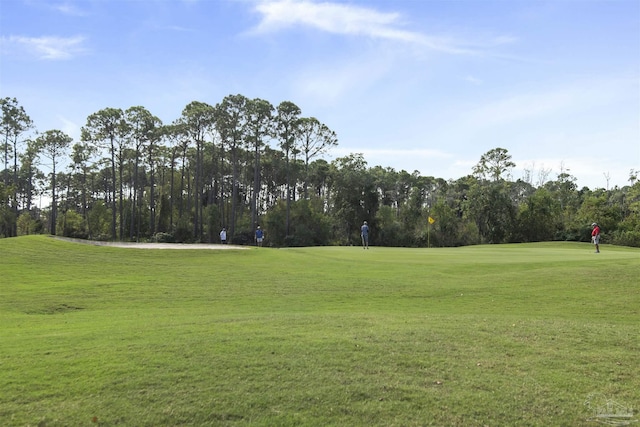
223,236
364,233
259,236
595,236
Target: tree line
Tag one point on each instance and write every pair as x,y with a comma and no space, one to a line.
245,162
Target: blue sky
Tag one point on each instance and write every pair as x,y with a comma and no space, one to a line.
427,85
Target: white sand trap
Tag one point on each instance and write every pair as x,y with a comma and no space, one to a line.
133,245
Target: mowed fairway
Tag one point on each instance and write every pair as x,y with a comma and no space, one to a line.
504,335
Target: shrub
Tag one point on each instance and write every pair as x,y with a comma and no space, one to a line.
625,238
163,238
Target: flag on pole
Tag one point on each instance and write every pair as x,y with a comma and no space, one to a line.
431,220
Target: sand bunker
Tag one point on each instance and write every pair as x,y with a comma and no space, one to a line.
133,245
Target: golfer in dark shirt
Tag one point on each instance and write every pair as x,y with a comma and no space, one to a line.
364,233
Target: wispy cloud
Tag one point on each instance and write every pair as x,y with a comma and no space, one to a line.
522,106
67,8
68,126
328,82
177,28
48,47
570,98
473,80
408,159
352,20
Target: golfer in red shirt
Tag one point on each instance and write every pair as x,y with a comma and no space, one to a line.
595,236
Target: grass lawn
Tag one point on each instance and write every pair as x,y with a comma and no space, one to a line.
500,335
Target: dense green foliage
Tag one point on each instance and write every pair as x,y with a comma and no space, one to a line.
521,334
244,162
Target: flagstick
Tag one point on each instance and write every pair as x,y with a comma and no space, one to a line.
430,221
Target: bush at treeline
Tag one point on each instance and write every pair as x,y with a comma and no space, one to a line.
244,163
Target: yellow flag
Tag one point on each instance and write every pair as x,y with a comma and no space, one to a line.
431,220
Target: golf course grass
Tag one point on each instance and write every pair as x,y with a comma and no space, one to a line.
543,334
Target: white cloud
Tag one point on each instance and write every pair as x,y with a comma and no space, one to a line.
177,28
407,159
418,153
327,83
68,9
69,127
552,101
349,20
333,18
47,47
473,80
521,107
